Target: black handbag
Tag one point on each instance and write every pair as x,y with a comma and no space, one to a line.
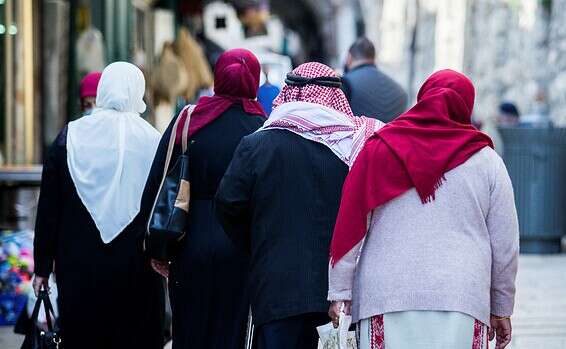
168,217
38,338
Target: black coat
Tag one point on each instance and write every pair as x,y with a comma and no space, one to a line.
109,297
207,283
372,93
279,200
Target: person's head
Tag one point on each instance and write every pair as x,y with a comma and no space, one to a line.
362,51
236,74
508,114
312,90
121,88
458,94
87,91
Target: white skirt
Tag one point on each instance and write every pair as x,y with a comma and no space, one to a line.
423,330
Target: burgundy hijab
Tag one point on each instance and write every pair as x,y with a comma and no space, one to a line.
414,150
236,80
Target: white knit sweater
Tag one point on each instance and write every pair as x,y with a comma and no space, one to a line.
457,253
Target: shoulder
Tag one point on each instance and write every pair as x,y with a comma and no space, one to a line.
237,112
492,164
61,139
491,158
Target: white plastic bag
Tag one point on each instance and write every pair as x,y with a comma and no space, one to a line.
337,338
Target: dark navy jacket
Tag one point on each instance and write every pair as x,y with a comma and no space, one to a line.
279,200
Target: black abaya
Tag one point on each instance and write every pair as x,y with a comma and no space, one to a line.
208,276
108,295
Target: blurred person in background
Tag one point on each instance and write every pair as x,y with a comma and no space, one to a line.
87,91
432,204
539,115
370,91
91,221
279,198
267,92
208,273
508,114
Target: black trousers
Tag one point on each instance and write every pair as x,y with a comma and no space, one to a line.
297,332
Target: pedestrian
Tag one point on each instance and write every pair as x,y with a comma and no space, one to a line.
508,114
368,89
279,198
91,221
87,91
207,278
267,92
432,204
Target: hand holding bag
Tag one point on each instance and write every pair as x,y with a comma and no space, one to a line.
337,338
168,217
37,338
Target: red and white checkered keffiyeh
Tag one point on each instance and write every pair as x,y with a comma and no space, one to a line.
321,114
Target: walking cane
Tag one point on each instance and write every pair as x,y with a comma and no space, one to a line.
250,331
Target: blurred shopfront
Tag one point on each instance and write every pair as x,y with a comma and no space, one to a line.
47,46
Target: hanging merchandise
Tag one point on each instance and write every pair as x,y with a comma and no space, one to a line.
192,55
90,51
169,81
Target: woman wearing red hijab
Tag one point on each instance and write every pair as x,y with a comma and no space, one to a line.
432,204
208,273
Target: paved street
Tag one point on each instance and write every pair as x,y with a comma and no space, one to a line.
540,315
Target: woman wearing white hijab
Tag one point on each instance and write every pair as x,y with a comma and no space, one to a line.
91,221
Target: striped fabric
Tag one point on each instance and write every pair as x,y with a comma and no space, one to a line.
321,114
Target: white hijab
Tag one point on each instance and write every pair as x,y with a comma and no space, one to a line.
109,153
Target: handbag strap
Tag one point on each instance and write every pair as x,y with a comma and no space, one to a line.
48,311
185,134
170,147
43,297
37,306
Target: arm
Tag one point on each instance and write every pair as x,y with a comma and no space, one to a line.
340,283
48,215
156,173
150,193
341,276
503,228
232,201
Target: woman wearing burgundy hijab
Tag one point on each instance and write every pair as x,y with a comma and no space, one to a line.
432,204
208,274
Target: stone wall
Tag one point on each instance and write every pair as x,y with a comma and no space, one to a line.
512,49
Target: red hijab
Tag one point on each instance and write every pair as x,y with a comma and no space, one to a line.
414,150
236,80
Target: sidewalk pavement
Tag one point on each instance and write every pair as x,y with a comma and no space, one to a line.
540,307
540,312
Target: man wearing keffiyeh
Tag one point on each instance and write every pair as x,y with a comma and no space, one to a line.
279,198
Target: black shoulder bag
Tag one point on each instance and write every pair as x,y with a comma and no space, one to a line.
37,338
168,217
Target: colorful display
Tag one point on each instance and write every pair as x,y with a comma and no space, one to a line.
16,269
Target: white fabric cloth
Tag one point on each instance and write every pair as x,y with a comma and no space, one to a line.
324,125
109,153
425,330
